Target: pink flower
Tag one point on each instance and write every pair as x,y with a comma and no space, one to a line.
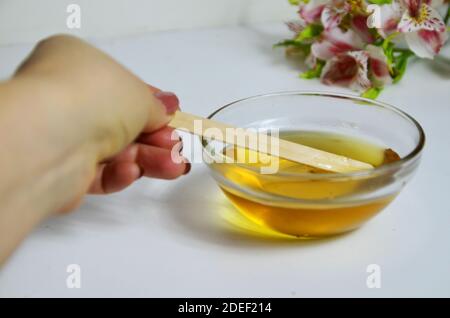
359,25
332,14
390,15
296,26
378,66
420,16
348,69
339,44
420,23
312,11
424,28
334,42
358,70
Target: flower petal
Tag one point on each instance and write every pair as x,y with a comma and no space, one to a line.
362,81
312,11
296,26
427,18
310,61
336,41
332,15
426,44
348,69
340,70
359,24
390,15
435,3
379,70
413,6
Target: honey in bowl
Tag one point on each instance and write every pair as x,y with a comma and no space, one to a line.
307,206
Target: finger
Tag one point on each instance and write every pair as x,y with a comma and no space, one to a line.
115,177
164,138
161,163
96,185
153,89
170,102
129,154
157,119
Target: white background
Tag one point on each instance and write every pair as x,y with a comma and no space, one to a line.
161,238
168,238
30,20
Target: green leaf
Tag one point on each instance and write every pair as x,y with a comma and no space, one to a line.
315,71
372,93
293,43
297,2
380,2
400,64
309,32
389,52
300,47
285,43
388,41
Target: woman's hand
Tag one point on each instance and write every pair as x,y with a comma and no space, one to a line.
73,122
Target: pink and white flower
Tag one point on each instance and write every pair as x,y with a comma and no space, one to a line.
349,69
358,23
420,16
390,15
424,28
358,70
332,14
343,48
311,12
378,65
334,42
296,26
419,21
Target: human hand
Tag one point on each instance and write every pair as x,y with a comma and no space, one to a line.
149,155
117,119
73,121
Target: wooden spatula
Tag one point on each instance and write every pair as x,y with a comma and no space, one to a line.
292,151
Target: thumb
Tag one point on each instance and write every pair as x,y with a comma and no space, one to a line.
160,116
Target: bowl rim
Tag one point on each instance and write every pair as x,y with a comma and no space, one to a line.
383,169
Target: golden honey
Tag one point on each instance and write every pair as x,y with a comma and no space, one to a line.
299,200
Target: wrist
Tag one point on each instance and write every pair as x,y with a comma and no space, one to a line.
43,165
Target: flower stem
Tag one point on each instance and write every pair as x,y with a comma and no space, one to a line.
388,39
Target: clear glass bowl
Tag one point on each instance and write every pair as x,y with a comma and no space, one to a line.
311,205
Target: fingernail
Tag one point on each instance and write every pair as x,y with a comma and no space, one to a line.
170,101
188,168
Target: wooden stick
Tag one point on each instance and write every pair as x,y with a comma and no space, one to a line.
288,150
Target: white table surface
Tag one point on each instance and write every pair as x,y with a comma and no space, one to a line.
161,238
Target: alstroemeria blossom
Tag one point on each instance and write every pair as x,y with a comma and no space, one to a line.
349,69
378,65
332,14
311,12
420,23
358,23
424,29
361,45
334,42
420,16
390,15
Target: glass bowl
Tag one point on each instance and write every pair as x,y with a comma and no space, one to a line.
314,205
